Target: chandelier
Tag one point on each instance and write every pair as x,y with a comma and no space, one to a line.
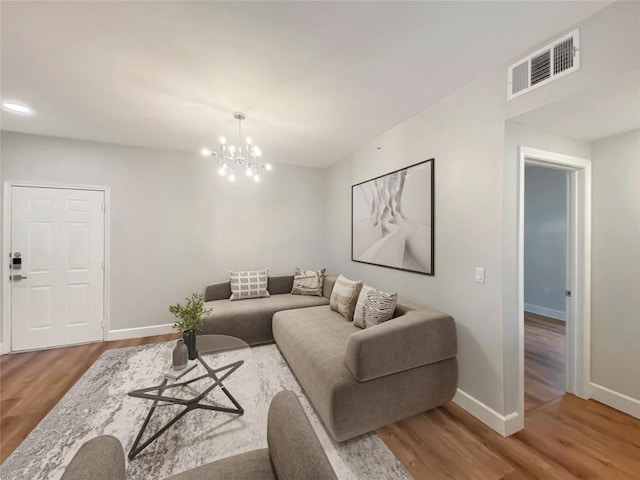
245,157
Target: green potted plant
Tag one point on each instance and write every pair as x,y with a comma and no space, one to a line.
190,320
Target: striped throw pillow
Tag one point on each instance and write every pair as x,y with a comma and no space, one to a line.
374,307
344,296
308,282
249,284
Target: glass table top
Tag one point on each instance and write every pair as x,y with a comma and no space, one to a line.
207,344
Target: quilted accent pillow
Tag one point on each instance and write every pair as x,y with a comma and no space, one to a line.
374,307
249,284
308,282
344,296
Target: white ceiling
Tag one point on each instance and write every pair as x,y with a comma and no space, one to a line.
317,79
606,110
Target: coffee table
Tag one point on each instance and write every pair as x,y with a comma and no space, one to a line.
211,349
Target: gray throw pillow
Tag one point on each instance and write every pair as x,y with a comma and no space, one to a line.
374,307
249,284
344,296
308,282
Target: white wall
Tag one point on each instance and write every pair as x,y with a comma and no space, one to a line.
476,198
615,330
464,134
545,241
175,224
610,46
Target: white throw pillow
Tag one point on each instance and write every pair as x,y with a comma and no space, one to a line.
308,282
249,284
344,296
374,307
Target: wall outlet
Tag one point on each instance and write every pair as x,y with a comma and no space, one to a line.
479,275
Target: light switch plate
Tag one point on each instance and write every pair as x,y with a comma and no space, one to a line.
479,275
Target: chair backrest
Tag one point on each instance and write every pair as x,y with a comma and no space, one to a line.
296,452
101,458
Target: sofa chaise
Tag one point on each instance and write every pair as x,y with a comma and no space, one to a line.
357,380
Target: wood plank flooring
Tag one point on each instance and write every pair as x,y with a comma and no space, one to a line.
31,383
544,361
571,438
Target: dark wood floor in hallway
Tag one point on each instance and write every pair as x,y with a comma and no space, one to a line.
571,438
544,361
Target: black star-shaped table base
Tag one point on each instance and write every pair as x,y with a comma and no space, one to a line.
189,404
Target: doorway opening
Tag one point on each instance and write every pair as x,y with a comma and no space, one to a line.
552,379
545,285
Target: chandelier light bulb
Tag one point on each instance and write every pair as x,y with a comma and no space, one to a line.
244,155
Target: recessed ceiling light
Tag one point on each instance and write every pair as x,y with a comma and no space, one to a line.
15,107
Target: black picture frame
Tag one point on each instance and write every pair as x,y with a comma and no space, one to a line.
382,196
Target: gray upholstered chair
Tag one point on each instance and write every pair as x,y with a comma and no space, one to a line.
294,453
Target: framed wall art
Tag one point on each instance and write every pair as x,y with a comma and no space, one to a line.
392,219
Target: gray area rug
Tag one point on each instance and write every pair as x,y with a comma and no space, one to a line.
98,404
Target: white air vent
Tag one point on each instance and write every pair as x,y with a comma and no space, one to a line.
556,60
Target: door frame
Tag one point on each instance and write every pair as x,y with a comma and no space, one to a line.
578,337
6,345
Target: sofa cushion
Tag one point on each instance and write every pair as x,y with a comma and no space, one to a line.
374,307
253,465
329,282
296,452
249,284
250,320
308,282
344,296
280,284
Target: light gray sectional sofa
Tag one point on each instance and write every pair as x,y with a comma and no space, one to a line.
357,380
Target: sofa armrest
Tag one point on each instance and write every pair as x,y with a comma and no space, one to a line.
296,453
419,337
101,458
217,291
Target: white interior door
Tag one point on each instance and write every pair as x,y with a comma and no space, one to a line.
57,296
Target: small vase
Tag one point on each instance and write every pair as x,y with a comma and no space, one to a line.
180,355
190,342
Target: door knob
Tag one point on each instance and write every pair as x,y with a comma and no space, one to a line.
17,277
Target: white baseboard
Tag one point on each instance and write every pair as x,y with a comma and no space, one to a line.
504,425
619,401
126,333
4,348
546,312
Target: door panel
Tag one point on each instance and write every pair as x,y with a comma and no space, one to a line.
59,234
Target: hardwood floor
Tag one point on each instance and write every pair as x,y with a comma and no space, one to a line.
564,437
571,438
544,361
31,383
